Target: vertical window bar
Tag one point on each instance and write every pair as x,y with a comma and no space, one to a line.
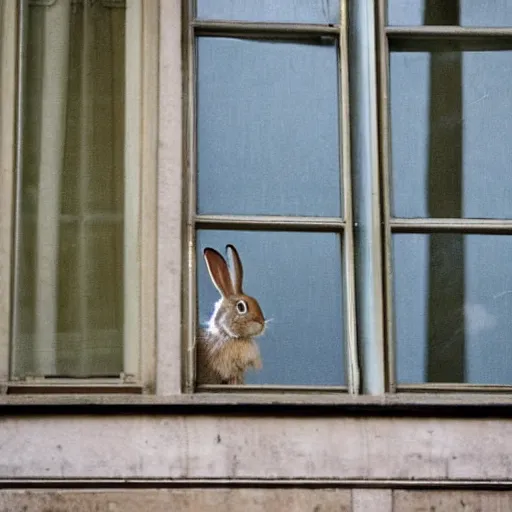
367,227
348,233
190,301
22,50
148,203
385,153
132,165
83,186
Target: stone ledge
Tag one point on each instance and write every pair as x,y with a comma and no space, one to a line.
278,404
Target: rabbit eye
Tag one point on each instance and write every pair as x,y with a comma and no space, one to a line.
241,307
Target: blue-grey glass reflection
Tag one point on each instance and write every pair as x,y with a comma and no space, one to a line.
485,121
472,13
267,128
476,316
284,11
296,278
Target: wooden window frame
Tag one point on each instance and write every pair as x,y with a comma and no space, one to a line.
168,220
424,38
139,365
342,226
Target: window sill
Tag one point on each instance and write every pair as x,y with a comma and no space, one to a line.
71,388
396,405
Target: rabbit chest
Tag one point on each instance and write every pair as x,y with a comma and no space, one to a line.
226,361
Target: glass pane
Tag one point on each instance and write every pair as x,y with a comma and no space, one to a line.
69,306
451,119
469,13
453,297
296,278
284,11
267,128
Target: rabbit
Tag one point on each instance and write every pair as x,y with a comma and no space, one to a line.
226,348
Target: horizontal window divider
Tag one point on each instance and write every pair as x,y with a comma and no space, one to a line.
265,388
262,30
463,226
439,387
270,223
447,32
444,38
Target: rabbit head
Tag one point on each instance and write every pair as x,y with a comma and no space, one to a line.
236,315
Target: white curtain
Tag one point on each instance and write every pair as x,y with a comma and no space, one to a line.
70,251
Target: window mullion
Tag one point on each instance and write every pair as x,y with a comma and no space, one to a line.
366,187
385,153
132,181
189,255
353,369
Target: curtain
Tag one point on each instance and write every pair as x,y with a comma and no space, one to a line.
69,294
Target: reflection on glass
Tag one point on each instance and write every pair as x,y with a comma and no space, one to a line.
471,13
284,11
296,278
451,119
267,128
452,300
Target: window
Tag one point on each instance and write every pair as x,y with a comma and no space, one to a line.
85,91
356,153
372,220
271,175
449,216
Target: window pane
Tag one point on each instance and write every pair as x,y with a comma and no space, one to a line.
268,138
69,307
451,119
453,297
471,13
289,11
296,278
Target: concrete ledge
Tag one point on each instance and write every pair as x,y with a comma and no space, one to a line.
267,500
213,500
200,449
278,404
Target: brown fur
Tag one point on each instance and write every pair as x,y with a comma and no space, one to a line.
225,361
226,349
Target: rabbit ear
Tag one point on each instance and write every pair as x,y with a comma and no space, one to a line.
237,273
219,273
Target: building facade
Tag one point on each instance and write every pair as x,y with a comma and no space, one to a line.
356,153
